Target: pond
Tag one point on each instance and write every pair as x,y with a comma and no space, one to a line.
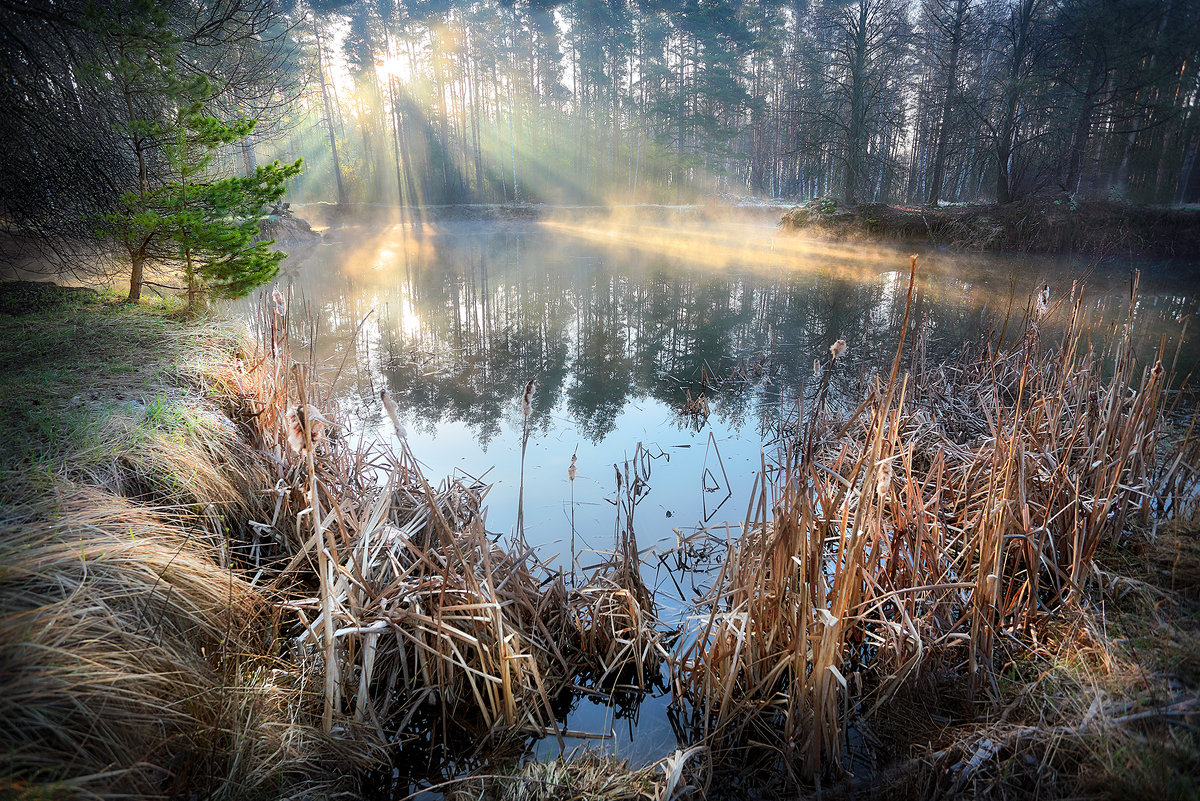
688,336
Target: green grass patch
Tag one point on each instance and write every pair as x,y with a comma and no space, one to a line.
74,356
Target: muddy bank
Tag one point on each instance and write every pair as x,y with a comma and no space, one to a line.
1090,228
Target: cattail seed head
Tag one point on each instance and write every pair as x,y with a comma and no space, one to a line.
1043,303
527,401
389,406
837,348
294,421
883,482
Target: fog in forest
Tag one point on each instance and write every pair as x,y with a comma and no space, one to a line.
415,104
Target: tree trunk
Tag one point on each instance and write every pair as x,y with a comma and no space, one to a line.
858,97
939,154
137,260
1006,135
337,167
1083,127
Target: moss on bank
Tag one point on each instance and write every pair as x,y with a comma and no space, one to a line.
1093,228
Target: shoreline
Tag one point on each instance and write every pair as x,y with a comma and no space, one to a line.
1092,228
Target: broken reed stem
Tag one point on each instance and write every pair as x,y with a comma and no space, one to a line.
526,415
324,567
571,473
954,505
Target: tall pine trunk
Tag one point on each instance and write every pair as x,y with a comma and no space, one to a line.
337,166
939,154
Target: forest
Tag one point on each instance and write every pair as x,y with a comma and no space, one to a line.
623,400
593,102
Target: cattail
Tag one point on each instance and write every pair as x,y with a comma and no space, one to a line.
883,483
294,422
816,368
390,406
277,301
1043,303
571,471
837,348
527,401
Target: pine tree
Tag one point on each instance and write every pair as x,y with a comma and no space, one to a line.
206,228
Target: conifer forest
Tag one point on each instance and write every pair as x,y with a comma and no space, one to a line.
621,400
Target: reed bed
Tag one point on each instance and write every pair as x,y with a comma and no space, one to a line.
431,620
405,604
461,626
956,508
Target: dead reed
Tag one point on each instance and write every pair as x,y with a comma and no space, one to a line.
587,774
956,507
404,603
614,613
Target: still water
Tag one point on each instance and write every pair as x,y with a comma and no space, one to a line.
624,325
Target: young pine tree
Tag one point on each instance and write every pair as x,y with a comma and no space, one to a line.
215,224
205,227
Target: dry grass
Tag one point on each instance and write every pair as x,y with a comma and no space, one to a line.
141,652
134,664
927,532
587,775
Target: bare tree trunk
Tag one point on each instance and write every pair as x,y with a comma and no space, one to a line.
337,166
137,260
939,155
1083,127
856,131
1007,132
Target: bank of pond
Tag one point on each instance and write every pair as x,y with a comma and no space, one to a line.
1054,226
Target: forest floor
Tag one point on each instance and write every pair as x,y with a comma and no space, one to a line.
1094,228
1098,701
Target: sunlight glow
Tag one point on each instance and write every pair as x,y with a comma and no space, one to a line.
394,65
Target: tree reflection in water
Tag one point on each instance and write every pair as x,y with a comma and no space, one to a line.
621,326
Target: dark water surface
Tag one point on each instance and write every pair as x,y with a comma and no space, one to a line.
622,324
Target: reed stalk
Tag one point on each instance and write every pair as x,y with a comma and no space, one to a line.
959,504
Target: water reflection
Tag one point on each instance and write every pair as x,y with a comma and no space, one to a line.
625,327
460,318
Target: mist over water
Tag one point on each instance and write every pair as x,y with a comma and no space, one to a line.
624,325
